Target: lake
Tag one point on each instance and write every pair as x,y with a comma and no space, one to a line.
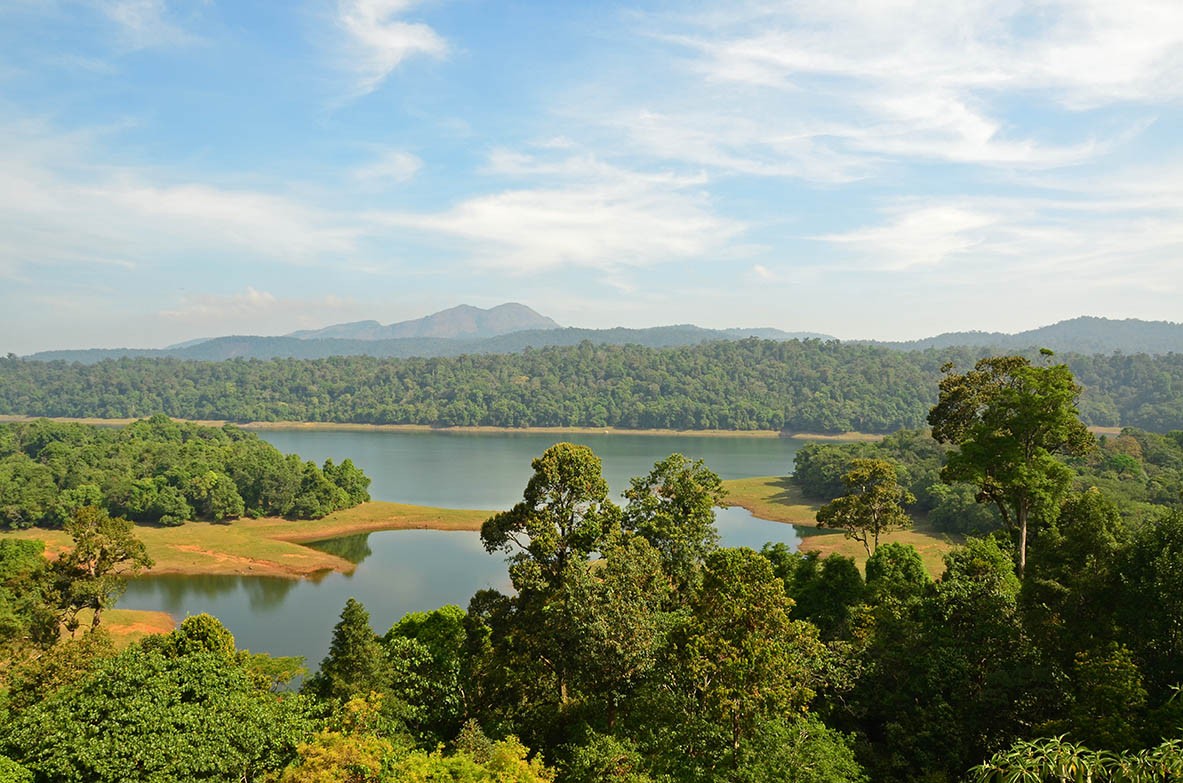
416,570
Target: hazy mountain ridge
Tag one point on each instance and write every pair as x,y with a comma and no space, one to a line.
251,347
461,322
1083,335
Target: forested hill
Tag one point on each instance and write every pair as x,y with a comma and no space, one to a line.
293,347
807,386
1078,335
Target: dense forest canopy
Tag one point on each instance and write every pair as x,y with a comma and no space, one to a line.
633,648
158,471
626,655
802,386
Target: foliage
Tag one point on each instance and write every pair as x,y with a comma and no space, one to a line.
425,650
742,660
11,772
1150,603
799,386
505,762
635,650
356,664
351,752
824,590
90,574
896,570
33,678
673,508
157,471
147,716
27,613
1010,421
873,503
1056,760
563,516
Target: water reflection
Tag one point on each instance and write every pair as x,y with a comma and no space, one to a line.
354,548
175,594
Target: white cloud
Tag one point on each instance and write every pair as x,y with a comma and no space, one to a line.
378,40
389,166
830,92
917,236
595,215
57,209
204,308
144,23
1126,235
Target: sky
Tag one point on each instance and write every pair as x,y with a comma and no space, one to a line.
175,169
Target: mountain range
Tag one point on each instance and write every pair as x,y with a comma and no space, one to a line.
464,322
512,327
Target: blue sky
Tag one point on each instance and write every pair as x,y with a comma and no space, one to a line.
173,169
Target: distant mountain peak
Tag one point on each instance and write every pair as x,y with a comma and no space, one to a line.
460,322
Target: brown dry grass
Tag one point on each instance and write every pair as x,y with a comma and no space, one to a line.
271,547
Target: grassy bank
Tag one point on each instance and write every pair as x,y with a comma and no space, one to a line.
127,626
775,498
325,426
272,547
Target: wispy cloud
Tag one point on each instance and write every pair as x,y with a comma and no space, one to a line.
923,235
390,165
829,91
378,39
1126,234
209,307
57,209
583,212
145,24
257,307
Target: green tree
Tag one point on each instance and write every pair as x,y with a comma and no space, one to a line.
618,628
425,650
673,508
91,574
146,716
27,614
1150,607
356,664
350,750
11,772
1011,420
27,491
564,515
740,660
873,503
505,761
350,478
1072,592
897,570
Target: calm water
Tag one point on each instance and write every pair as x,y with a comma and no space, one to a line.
415,570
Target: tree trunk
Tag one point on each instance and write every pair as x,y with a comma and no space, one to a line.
1022,514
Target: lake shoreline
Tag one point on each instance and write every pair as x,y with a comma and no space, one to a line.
271,546
326,426
777,499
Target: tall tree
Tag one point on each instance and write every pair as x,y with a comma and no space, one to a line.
564,515
873,503
90,576
673,508
740,661
1011,420
356,663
